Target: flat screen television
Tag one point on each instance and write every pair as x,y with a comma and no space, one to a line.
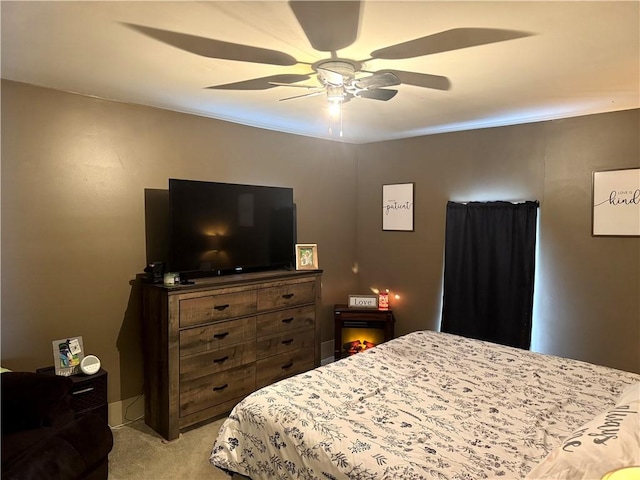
223,228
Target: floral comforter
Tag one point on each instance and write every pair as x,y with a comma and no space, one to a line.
426,405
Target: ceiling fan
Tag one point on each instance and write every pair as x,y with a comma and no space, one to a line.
337,78
331,26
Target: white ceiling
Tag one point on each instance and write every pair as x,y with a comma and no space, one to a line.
577,58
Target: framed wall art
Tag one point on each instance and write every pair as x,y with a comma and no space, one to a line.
616,203
397,207
306,256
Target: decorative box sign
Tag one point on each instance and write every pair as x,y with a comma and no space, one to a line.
363,301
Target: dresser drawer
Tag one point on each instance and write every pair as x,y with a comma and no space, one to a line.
194,311
206,392
286,295
288,320
203,364
281,366
217,336
287,342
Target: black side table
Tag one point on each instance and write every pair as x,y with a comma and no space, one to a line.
88,394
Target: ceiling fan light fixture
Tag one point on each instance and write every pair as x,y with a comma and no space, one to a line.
335,109
335,94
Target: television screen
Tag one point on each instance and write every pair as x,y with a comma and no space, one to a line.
220,228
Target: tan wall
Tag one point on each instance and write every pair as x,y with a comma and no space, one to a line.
75,171
588,288
74,174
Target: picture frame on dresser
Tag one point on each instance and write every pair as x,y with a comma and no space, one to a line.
306,256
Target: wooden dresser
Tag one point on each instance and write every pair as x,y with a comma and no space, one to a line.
208,345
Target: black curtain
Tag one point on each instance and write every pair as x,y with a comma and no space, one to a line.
489,271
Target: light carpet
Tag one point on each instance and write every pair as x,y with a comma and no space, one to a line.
140,453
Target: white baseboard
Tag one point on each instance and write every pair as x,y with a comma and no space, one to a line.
326,352
326,349
126,411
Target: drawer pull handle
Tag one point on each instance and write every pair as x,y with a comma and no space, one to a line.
288,365
222,387
220,336
287,320
221,360
287,342
221,307
287,295
84,390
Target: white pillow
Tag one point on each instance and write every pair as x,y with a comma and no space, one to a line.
630,395
609,441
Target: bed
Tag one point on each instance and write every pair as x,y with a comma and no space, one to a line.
431,405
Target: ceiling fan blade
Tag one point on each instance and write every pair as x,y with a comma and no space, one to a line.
378,94
378,80
208,47
263,83
312,94
446,41
329,25
424,80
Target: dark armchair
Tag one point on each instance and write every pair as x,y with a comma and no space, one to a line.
42,439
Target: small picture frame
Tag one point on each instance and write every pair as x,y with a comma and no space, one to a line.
306,256
67,355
